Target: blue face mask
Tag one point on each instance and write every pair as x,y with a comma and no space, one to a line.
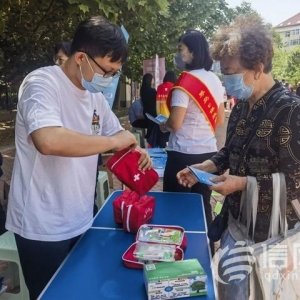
235,86
97,84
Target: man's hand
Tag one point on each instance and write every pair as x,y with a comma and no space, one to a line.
123,139
145,162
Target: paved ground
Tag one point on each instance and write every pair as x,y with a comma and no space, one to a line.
9,153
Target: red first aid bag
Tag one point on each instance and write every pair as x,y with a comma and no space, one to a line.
180,243
138,213
124,164
126,198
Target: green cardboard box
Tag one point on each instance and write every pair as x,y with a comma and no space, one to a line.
178,279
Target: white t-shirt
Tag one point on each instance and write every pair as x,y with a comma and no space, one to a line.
195,135
51,197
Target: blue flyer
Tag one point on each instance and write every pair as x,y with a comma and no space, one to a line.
203,177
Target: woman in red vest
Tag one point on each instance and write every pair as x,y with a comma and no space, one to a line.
196,107
158,138
162,93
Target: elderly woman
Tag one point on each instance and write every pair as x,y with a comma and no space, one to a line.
245,52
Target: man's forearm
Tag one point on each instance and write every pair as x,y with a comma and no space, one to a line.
61,141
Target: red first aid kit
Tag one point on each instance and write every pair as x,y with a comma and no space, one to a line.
126,198
124,164
132,210
138,213
151,237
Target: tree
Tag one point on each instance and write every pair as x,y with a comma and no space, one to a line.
29,31
30,28
198,286
279,63
244,9
159,34
292,67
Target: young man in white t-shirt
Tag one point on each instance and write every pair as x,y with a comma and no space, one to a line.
63,123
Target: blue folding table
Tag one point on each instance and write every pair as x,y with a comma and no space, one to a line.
94,269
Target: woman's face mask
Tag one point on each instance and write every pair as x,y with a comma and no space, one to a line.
178,62
98,82
235,86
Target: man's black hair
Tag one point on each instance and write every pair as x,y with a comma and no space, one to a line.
99,38
64,46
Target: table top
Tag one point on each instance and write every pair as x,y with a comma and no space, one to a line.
169,208
94,269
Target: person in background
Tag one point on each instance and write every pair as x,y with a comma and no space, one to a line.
298,89
225,96
63,122
162,93
231,102
148,97
245,52
1,162
61,52
196,104
157,138
136,114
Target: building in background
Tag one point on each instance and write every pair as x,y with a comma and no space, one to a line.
289,31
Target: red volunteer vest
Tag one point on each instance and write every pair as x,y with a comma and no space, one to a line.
200,93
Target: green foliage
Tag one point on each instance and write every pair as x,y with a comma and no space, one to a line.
244,9
159,34
113,9
279,64
198,286
292,69
30,28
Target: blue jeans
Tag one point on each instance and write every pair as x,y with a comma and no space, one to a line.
236,283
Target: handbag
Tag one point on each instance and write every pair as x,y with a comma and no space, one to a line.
277,259
124,164
273,264
220,222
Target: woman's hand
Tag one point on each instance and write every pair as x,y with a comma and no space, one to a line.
145,162
186,178
163,127
228,184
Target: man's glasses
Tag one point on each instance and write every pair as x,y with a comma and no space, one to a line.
106,74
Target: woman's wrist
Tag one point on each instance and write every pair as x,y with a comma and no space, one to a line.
165,127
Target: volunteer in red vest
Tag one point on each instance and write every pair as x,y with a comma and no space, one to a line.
162,93
196,108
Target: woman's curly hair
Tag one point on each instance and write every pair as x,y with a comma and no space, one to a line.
248,39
